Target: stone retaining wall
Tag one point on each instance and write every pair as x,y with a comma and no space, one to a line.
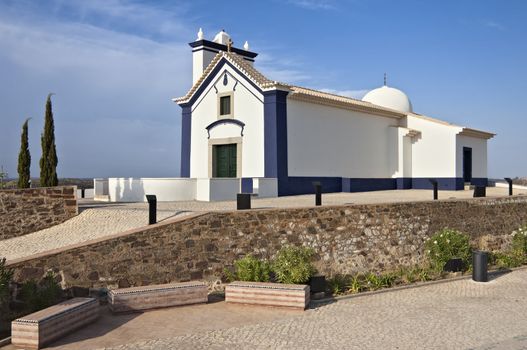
346,239
24,211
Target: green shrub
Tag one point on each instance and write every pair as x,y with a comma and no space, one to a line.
249,269
292,265
38,296
506,259
5,280
338,284
445,245
519,240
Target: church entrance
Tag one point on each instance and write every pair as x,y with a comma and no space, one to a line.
467,164
224,160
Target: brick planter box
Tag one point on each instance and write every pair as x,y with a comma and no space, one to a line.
271,294
40,328
157,296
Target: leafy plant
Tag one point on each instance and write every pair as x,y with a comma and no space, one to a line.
338,284
445,245
38,296
249,269
506,259
293,265
519,240
6,275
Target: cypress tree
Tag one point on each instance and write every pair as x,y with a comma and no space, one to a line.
24,158
49,160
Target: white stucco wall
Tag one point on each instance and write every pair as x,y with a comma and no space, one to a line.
265,187
479,155
166,189
248,108
217,189
200,60
329,141
434,151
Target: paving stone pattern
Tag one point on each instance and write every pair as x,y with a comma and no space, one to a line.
455,315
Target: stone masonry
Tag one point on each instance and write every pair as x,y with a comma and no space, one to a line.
24,211
346,239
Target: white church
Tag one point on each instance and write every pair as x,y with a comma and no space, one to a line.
243,132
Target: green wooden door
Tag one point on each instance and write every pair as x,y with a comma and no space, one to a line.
224,160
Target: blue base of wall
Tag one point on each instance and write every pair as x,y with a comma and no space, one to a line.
296,185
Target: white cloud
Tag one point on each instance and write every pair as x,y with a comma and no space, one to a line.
113,86
357,94
494,25
314,4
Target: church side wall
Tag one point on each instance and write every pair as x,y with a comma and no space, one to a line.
479,157
433,154
247,108
332,142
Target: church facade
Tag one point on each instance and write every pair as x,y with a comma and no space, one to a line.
273,138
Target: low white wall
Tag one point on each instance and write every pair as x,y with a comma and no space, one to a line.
219,189
180,189
88,193
100,187
166,189
265,187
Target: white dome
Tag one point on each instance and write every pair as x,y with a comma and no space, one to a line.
390,98
222,38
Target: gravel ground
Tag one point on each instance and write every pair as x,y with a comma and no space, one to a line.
454,315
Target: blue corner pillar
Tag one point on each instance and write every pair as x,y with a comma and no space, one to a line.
185,140
275,137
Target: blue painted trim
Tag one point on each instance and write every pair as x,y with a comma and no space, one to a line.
186,116
247,185
214,45
211,76
275,138
371,184
404,183
444,183
480,181
217,51
295,185
224,121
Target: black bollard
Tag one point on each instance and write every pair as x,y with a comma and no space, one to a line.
243,201
152,208
318,193
479,264
82,193
480,191
509,181
434,184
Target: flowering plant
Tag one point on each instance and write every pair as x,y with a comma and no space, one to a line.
519,240
445,245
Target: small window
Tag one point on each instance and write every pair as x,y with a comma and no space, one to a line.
225,105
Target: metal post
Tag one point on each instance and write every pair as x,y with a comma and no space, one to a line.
82,193
152,208
480,191
243,201
318,193
509,181
479,266
434,184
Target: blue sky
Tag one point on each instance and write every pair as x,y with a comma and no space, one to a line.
115,65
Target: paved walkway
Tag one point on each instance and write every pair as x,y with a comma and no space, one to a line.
454,315
99,219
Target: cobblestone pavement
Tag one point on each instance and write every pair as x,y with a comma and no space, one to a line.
99,219
90,224
455,315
